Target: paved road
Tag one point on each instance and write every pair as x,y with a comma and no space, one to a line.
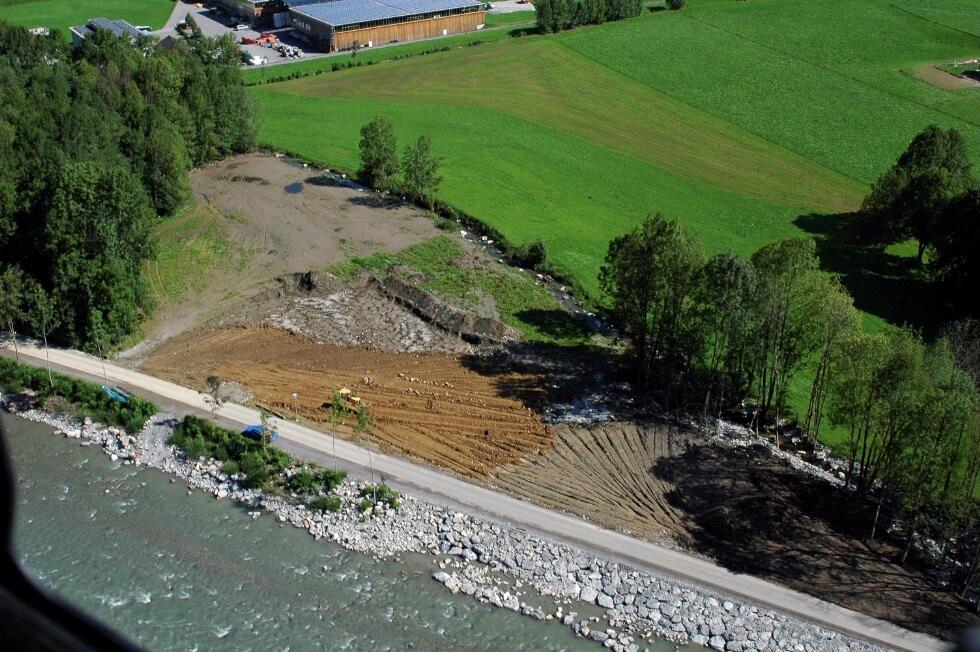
654,558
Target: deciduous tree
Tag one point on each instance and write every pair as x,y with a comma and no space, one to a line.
907,200
11,302
725,296
44,317
790,286
649,277
379,152
420,170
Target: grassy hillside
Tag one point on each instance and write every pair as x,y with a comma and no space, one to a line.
736,118
829,80
748,121
541,142
62,14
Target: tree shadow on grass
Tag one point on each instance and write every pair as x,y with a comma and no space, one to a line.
520,32
889,286
557,324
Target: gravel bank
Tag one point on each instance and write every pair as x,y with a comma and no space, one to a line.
615,605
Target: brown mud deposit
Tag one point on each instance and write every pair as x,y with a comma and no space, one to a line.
476,409
300,221
751,512
425,407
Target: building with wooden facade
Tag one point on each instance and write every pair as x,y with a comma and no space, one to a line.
348,24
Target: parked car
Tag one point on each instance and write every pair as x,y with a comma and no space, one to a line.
255,432
240,27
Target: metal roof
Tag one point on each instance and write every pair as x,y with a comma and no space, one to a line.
117,27
350,12
81,30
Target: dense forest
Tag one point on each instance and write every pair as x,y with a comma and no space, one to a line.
95,146
709,335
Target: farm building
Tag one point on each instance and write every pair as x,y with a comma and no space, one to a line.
348,24
117,27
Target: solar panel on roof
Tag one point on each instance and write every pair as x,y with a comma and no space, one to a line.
117,27
350,12
427,6
347,12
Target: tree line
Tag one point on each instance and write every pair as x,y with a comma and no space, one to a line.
95,146
708,334
929,195
558,15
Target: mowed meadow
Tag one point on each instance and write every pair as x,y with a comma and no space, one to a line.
63,14
736,118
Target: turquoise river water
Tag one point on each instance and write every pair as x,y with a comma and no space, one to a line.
188,572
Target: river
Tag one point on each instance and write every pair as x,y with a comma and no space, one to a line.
185,572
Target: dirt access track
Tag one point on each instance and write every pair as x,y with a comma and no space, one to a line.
426,407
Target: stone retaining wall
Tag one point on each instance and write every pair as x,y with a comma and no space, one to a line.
450,318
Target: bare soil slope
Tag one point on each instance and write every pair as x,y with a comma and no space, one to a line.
602,472
301,221
270,217
741,506
426,407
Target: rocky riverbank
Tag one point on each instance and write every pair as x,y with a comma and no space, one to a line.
611,603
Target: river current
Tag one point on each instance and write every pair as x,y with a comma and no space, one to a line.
174,571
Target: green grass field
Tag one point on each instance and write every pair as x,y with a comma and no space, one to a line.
511,18
62,14
264,74
737,118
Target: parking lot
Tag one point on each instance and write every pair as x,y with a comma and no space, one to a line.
213,22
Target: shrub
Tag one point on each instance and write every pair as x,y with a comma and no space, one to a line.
531,255
364,419
302,482
89,398
255,469
365,504
674,5
195,447
277,460
326,504
329,479
445,225
382,493
230,467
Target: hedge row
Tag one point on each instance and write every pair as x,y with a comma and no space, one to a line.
88,398
264,466
260,463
